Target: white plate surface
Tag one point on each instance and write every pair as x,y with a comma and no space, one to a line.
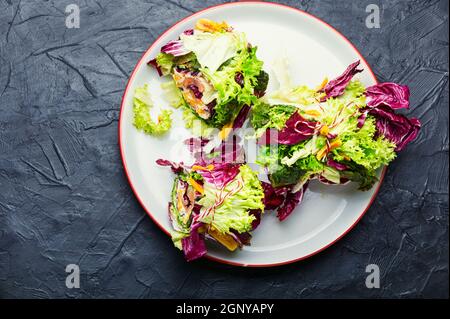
314,50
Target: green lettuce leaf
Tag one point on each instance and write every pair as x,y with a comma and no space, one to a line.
266,116
231,95
142,103
233,213
212,49
281,174
343,109
363,148
221,57
165,62
361,175
331,174
305,149
299,96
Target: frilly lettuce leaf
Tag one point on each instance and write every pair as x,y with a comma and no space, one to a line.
310,147
266,116
165,62
227,61
233,213
231,94
142,103
364,148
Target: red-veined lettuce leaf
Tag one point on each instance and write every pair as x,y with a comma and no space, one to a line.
273,197
175,48
221,174
391,94
382,100
296,129
291,201
241,117
336,87
194,245
177,168
156,66
395,127
282,199
336,165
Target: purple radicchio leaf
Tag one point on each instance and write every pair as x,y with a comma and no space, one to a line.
382,100
239,78
211,107
177,168
194,245
362,119
229,151
331,136
241,238
273,197
296,129
282,199
257,220
336,165
181,70
154,64
225,159
291,201
336,87
175,48
395,127
241,117
221,174
391,94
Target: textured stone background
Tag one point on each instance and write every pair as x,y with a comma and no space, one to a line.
64,197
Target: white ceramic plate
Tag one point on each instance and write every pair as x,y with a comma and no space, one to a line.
315,50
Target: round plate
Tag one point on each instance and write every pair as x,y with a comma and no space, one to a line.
315,50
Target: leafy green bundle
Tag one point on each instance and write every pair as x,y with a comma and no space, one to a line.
340,132
215,72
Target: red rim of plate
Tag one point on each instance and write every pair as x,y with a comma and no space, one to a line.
224,261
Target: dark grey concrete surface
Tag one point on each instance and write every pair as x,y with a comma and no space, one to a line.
64,198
